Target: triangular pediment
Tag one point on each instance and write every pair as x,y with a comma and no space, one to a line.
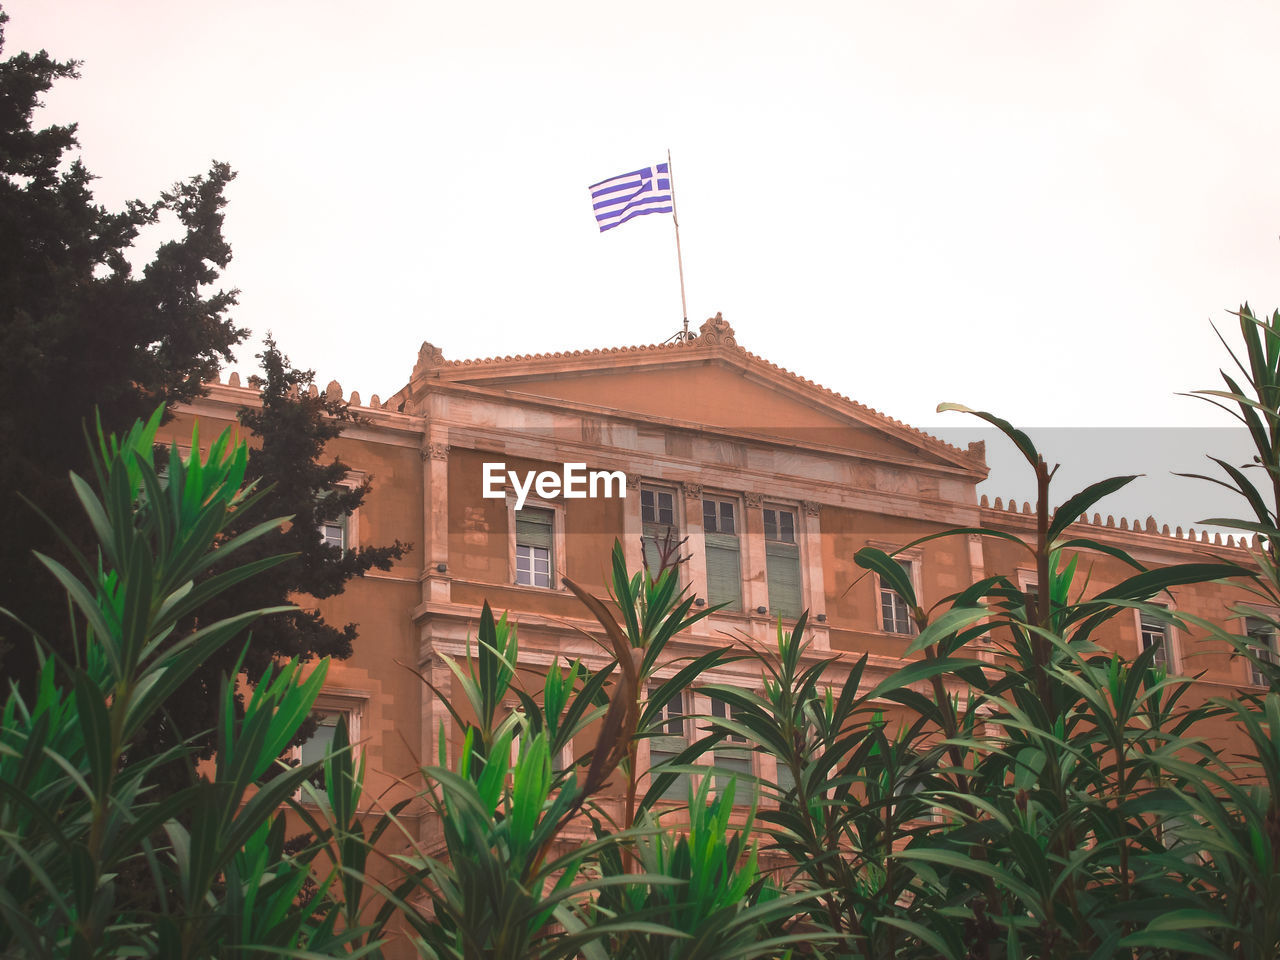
709,384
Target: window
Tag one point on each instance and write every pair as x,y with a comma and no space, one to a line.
342,531
658,525
717,517
785,781
895,616
779,525
732,755
724,711
1155,633
782,562
1262,640
333,533
319,744
668,742
330,709
562,760
1031,594
724,570
533,546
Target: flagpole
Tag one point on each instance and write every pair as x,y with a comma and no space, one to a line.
684,337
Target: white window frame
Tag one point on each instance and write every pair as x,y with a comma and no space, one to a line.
712,700
350,522
739,533
558,570
1028,579
916,559
1172,659
797,519
1252,676
342,527
738,515
351,704
677,520
565,757
687,731
734,742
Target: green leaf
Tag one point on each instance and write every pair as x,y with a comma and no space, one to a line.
891,572
951,622
1020,439
1074,506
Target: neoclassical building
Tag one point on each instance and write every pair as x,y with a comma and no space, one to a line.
775,481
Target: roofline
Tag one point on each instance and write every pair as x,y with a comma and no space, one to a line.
715,340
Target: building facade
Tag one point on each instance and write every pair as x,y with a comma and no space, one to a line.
772,482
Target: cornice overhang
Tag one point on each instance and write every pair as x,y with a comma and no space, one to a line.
715,343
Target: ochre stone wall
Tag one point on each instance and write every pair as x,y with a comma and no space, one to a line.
694,420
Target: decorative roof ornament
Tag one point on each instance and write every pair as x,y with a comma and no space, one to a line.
717,330
429,358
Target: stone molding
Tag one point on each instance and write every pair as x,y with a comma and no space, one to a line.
435,450
429,358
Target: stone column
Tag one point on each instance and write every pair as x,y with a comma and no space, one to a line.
435,517
631,526
697,545
755,582
977,571
815,590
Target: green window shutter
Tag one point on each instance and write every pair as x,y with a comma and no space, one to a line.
533,528
785,781
735,763
782,566
653,534
724,573
664,750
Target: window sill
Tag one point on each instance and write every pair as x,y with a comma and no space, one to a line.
529,588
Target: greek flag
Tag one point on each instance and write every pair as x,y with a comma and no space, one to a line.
618,199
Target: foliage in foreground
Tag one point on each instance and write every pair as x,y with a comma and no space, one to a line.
290,429
1016,791
78,809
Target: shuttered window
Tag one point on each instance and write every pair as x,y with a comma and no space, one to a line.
785,781
533,547
782,562
668,743
658,525
732,755
724,568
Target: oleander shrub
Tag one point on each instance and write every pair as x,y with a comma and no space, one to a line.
78,811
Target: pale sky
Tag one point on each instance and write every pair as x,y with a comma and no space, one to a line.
1034,208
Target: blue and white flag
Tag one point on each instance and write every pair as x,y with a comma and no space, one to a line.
618,199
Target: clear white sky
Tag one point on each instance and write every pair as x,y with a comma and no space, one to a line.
1030,207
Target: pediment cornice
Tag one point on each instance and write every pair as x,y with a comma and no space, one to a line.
715,341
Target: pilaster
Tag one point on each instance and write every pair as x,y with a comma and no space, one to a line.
435,514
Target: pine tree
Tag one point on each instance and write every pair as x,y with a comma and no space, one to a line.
288,430
81,329
294,428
